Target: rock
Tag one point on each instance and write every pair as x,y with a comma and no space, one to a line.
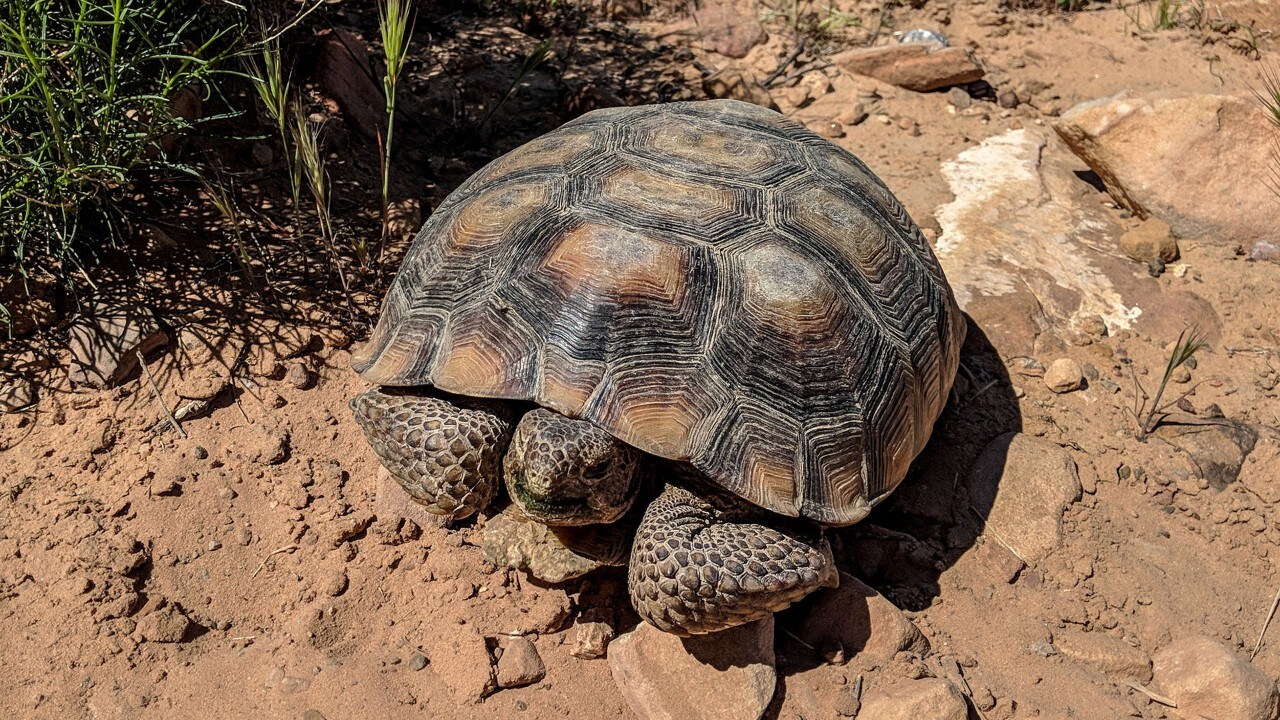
166,625
1019,245
520,663
855,114
1218,449
1113,657
738,84
417,661
342,69
1024,484
267,445
16,393
727,675
591,640
959,98
335,583
998,562
924,699
728,32
299,376
105,341
912,65
461,660
1265,251
1148,241
391,501
1064,375
551,554
1008,99
857,620
1197,162
1206,679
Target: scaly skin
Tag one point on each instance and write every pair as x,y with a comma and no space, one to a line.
446,454
562,471
697,567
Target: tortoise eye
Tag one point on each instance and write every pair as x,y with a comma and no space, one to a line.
596,471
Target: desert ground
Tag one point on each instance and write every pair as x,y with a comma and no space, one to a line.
207,534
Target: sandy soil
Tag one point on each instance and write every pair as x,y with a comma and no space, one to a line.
247,567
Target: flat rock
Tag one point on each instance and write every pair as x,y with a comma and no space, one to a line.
513,540
727,31
1206,679
1022,485
1195,161
729,675
520,663
461,659
1113,657
1027,251
856,619
105,341
924,699
1218,449
391,500
914,66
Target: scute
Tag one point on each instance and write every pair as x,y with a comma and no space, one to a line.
710,282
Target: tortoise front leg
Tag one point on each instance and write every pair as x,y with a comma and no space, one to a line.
447,454
696,568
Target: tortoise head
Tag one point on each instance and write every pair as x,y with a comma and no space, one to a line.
562,471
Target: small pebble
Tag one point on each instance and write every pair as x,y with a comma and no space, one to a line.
1063,376
417,661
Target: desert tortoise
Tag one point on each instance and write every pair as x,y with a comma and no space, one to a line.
708,283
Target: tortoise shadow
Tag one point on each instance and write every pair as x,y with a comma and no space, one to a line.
904,546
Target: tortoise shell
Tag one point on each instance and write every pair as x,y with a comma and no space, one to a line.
709,281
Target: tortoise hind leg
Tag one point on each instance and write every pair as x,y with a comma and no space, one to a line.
696,568
447,454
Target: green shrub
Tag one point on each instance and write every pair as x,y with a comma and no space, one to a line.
87,105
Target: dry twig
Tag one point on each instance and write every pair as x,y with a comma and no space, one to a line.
273,553
156,391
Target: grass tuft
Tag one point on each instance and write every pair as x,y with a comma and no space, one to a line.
1148,411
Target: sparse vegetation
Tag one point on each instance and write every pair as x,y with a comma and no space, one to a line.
393,25
1147,410
88,107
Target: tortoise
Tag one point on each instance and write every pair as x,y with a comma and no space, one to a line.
705,293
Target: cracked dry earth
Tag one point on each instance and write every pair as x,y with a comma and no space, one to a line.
1039,561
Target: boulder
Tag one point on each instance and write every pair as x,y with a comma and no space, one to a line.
729,675
1022,485
914,66
1198,162
344,72
1023,244
1148,241
857,620
924,699
727,31
1206,679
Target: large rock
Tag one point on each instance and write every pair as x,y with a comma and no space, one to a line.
856,619
1026,248
1024,484
728,675
105,341
1218,450
520,663
924,699
1207,680
1198,162
914,66
343,69
728,32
